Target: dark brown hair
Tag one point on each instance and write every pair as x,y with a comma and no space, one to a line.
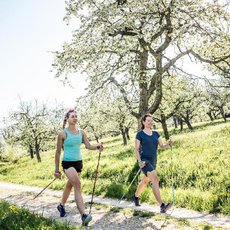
143,118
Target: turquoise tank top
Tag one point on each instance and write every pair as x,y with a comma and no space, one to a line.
71,146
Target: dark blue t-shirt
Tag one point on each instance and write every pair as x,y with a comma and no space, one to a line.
149,145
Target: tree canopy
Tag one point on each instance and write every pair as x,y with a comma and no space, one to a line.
134,45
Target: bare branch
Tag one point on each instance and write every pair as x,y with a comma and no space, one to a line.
174,60
169,29
214,61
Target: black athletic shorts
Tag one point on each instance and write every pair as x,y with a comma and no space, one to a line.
76,164
149,166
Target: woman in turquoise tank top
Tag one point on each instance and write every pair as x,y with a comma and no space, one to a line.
70,139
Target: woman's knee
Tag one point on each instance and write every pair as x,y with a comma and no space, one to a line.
69,184
153,177
145,180
73,177
155,180
77,184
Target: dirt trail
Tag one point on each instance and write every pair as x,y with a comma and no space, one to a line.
105,217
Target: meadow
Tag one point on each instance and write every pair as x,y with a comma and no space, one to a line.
197,166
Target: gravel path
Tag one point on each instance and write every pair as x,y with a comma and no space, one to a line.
109,213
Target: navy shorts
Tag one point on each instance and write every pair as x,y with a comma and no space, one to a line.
149,166
76,164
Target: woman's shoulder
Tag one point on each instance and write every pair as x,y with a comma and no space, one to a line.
155,133
63,133
81,130
140,131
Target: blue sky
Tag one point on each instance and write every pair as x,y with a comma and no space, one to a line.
29,30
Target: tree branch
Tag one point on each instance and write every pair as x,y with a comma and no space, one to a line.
214,61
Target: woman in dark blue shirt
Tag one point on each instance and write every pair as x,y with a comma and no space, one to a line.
146,145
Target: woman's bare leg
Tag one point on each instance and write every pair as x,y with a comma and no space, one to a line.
144,181
155,185
66,192
74,179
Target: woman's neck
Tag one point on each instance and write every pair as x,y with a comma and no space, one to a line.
147,130
72,127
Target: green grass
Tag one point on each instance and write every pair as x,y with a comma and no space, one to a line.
13,218
198,166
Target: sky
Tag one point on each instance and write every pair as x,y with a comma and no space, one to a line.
29,31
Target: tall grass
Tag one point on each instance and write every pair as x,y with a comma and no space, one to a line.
13,218
198,166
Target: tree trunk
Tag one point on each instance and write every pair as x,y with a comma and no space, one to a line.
31,151
96,137
123,136
215,114
95,134
138,124
175,120
143,86
127,133
181,124
186,120
209,113
221,109
37,152
164,126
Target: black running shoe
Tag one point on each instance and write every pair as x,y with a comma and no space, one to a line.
165,207
86,218
61,209
135,200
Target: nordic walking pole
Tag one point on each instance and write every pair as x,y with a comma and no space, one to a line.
95,179
172,186
130,185
45,187
172,179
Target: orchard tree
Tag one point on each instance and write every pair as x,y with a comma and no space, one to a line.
179,93
132,45
89,117
105,116
31,127
173,88
217,97
34,126
118,118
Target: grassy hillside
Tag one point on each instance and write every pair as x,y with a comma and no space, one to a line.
198,165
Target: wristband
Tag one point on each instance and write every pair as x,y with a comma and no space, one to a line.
57,171
98,147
